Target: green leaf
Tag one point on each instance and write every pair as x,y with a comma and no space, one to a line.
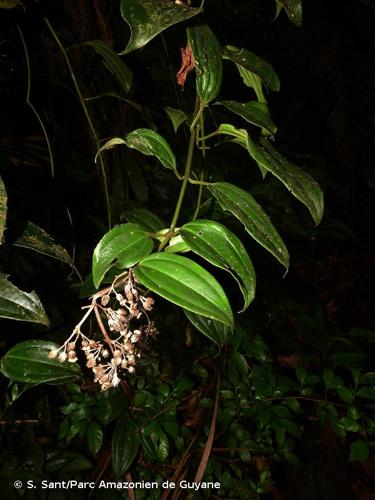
214,330
36,239
359,451
345,394
300,184
366,392
177,245
148,18
185,283
127,244
176,116
3,209
113,63
125,445
243,206
29,362
151,143
217,244
19,305
94,437
254,112
245,59
144,218
293,8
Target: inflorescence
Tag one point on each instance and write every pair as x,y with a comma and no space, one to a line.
126,313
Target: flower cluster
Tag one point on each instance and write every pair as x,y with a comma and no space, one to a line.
126,314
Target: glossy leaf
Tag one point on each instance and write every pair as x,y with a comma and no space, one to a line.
176,116
29,362
293,8
3,209
94,437
125,445
177,245
253,112
217,244
299,183
126,244
144,218
36,239
255,64
113,63
185,283
19,305
151,143
214,330
243,206
148,18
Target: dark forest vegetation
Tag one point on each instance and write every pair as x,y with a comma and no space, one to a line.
177,300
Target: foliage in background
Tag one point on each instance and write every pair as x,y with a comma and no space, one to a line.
224,409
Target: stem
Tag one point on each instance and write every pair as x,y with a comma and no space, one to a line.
30,104
199,199
188,165
88,118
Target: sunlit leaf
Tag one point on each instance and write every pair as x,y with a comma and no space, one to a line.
19,305
216,243
151,143
293,8
214,330
126,245
185,283
176,116
9,4
254,112
3,209
148,18
29,362
255,64
36,239
125,445
243,206
113,63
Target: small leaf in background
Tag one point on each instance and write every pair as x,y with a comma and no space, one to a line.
125,445
366,392
293,8
9,4
177,245
144,218
257,223
29,362
112,143
147,18
3,209
113,63
151,143
36,239
176,116
19,305
126,244
217,244
94,437
185,283
249,61
214,330
359,451
254,112
300,184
